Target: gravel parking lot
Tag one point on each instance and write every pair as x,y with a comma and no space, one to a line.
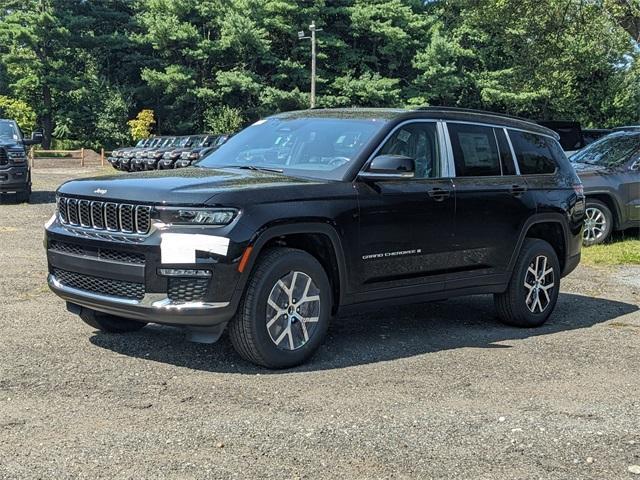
429,391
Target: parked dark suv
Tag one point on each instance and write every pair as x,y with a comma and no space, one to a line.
308,214
610,171
15,172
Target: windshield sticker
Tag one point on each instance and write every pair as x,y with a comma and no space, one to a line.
259,122
404,136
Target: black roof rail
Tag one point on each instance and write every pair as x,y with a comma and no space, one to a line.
435,108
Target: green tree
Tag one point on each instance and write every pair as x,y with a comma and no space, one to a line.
140,127
19,111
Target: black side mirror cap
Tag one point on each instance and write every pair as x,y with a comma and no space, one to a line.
36,138
389,167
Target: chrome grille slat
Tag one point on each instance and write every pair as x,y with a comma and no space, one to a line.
110,216
126,218
84,213
62,210
97,215
72,211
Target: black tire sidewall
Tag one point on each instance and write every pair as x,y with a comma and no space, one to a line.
531,250
606,211
293,261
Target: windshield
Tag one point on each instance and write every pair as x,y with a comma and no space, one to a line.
306,147
8,130
609,151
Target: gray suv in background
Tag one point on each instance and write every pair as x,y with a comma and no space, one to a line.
610,172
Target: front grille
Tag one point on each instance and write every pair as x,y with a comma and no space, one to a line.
123,257
66,248
102,286
113,217
187,289
4,159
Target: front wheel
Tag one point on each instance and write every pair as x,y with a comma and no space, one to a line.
285,311
598,223
533,290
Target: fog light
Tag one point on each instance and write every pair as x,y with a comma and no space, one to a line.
181,272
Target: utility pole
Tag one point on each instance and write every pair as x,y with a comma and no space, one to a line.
301,36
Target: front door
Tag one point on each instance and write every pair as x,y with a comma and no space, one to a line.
406,226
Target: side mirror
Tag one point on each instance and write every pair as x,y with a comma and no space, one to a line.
36,138
389,167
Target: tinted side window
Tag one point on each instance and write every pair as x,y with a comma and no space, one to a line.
418,141
506,158
535,153
475,150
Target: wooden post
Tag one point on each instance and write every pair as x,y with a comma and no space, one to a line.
82,157
102,156
31,156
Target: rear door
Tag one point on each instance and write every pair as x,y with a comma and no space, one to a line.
406,226
492,204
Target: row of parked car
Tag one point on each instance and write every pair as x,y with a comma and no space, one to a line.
161,153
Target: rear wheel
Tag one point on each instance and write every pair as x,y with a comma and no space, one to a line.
109,323
285,311
598,223
534,286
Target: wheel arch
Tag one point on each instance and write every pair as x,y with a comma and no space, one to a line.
610,201
319,239
550,227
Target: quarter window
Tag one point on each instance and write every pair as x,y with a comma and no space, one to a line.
536,154
419,141
475,150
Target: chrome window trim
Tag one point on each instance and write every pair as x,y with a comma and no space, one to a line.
443,164
484,124
557,169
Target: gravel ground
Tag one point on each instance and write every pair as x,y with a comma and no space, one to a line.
430,391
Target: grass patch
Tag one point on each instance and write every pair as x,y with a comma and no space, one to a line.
625,252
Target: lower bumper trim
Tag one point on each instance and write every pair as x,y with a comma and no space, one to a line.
154,307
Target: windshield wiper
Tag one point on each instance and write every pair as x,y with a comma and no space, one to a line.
255,168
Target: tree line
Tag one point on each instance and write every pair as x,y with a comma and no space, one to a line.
82,69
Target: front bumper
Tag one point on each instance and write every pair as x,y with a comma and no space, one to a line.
154,307
14,179
121,276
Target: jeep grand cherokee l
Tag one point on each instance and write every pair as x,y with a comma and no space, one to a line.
15,172
307,214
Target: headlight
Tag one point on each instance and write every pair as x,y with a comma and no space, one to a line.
17,157
195,216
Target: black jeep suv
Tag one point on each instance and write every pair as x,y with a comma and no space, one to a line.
308,214
15,172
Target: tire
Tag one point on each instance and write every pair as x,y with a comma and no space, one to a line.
289,335
598,223
109,323
24,196
526,307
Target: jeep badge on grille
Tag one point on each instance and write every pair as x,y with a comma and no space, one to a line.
100,191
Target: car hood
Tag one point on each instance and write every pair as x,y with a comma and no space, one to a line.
189,186
582,168
10,144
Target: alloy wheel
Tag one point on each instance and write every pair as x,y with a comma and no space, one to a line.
595,224
538,281
293,310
